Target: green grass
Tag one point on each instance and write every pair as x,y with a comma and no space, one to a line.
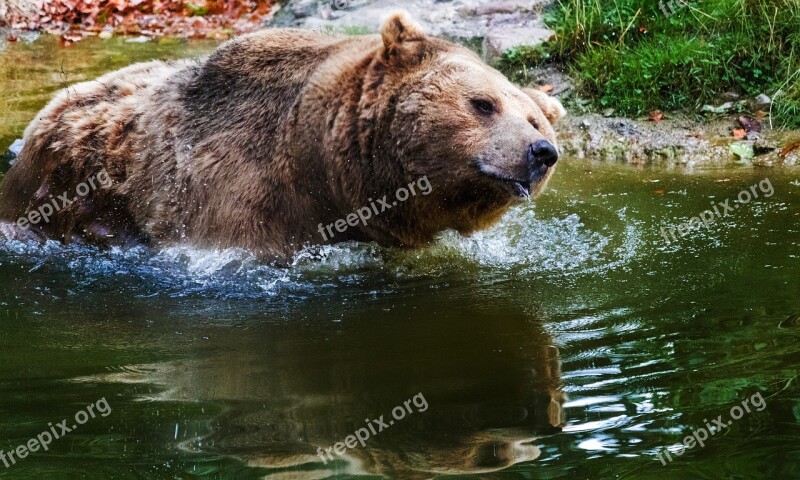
627,55
351,30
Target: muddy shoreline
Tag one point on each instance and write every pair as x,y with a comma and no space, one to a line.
678,142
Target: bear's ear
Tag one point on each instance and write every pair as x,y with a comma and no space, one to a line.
399,28
551,107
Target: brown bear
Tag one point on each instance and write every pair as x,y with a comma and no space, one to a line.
282,139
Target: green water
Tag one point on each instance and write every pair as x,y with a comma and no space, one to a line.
571,341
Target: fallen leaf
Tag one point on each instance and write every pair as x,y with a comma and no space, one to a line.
761,115
656,116
739,133
721,109
660,192
78,19
789,149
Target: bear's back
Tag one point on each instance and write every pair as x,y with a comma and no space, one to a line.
254,81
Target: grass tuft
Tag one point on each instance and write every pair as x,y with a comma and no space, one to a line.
630,56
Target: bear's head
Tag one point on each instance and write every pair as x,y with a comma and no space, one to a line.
482,142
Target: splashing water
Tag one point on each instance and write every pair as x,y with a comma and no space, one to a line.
521,243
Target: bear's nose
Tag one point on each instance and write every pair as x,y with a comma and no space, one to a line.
541,153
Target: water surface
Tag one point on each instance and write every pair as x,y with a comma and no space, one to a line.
571,341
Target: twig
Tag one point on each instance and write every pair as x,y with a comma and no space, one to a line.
622,37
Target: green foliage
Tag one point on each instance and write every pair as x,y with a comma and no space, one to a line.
196,10
630,56
515,61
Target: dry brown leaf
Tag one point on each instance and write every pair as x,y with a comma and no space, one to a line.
134,16
656,116
739,133
789,149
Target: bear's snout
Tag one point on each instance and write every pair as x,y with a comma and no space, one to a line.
541,155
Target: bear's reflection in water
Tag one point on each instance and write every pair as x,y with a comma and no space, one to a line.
491,381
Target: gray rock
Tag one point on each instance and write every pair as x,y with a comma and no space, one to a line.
456,19
139,39
303,8
507,6
764,145
16,147
762,101
498,40
13,151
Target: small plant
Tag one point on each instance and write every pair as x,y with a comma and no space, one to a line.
517,60
196,10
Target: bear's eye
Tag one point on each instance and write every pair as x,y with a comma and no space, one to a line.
486,107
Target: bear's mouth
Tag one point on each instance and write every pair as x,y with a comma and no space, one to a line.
519,188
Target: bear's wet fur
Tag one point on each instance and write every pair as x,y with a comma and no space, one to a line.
277,133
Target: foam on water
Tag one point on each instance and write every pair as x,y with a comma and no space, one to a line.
527,245
521,244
